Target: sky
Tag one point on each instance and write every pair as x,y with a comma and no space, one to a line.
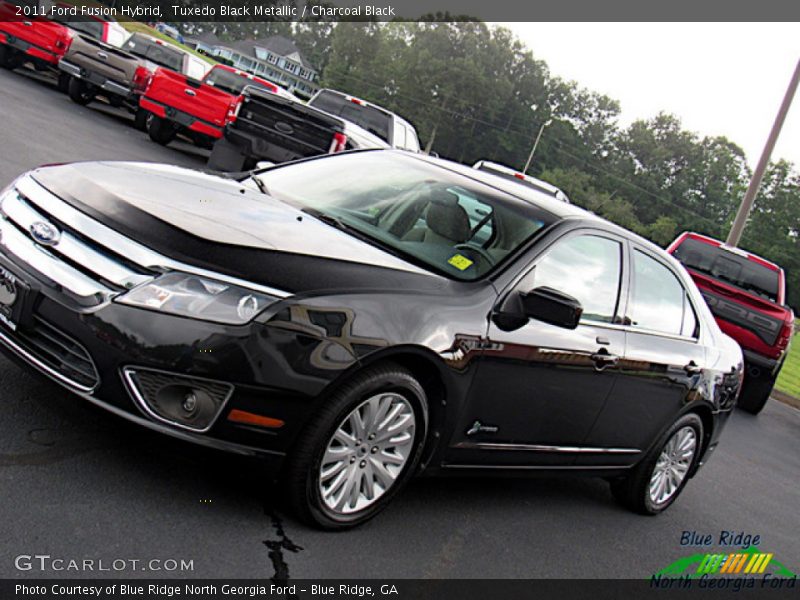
718,78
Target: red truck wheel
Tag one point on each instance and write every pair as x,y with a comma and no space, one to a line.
160,130
756,392
9,58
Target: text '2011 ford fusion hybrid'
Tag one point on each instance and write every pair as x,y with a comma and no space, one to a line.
362,317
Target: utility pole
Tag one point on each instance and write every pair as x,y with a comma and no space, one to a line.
535,144
747,202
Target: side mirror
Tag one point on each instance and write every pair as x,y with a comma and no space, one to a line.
552,306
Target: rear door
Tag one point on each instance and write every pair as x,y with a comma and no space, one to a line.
663,361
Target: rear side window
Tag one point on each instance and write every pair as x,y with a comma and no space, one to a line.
588,268
728,267
659,301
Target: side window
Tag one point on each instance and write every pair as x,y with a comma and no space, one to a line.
659,302
588,268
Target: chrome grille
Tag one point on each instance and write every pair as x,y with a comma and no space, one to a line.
60,353
90,261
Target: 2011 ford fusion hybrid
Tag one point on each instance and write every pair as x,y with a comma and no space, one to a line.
362,317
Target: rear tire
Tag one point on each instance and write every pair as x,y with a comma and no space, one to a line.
359,450
9,58
655,483
140,119
756,392
226,157
160,130
63,82
79,92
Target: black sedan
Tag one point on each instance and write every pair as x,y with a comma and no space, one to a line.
362,317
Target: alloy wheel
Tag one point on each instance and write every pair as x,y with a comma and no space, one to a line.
673,465
367,452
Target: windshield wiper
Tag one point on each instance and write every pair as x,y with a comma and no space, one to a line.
262,187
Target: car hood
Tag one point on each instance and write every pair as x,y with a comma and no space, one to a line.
218,223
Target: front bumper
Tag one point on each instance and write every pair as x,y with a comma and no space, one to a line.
62,321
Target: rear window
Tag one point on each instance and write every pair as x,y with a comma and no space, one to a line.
728,267
91,28
160,54
231,82
374,120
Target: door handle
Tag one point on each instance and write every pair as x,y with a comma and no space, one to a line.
693,368
190,92
27,23
102,55
603,359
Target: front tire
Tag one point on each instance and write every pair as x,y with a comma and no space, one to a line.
79,92
359,450
655,483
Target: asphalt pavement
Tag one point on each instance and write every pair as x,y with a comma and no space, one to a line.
79,484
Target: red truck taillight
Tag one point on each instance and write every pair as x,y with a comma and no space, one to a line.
338,143
233,110
785,336
63,42
141,78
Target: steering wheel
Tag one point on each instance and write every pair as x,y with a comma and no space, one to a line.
478,250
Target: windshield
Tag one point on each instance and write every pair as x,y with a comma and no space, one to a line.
728,267
372,119
161,54
427,214
232,83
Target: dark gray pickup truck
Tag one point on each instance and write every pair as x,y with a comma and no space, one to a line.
267,127
121,75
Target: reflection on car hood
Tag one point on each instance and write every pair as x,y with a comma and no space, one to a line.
217,223
212,208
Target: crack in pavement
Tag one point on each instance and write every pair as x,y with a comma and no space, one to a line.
278,546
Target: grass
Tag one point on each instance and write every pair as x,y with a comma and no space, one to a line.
789,379
137,27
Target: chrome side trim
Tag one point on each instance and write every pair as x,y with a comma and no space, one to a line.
538,467
170,431
43,367
544,448
42,261
141,403
116,242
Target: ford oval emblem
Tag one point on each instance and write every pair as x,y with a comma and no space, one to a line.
284,128
45,234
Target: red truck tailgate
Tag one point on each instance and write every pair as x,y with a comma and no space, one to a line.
170,90
32,34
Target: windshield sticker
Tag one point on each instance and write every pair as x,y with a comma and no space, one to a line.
460,262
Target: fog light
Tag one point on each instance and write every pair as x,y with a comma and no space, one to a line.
188,402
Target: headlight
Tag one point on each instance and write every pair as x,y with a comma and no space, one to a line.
192,296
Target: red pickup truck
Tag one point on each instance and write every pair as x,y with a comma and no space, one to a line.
30,31
747,296
200,109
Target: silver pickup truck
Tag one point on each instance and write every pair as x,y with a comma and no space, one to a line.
121,75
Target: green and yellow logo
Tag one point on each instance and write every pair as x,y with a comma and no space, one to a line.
749,561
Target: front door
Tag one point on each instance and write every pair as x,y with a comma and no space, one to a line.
539,389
